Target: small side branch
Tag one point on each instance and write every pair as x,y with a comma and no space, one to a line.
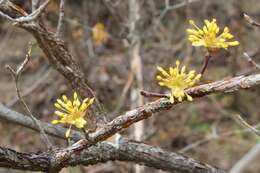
153,94
251,61
17,16
251,21
16,75
206,62
35,4
61,23
244,123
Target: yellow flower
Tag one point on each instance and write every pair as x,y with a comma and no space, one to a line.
177,80
72,112
99,34
208,36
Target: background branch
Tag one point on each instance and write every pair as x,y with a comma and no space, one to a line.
16,75
61,23
136,67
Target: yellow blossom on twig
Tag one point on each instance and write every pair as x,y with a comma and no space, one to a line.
209,36
177,80
72,112
99,34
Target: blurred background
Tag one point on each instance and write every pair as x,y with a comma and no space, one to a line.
203,129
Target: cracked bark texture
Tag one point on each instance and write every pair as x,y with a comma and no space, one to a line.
127,151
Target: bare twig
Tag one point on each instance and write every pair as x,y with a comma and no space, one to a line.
251,21
61,22
206,62
126,88
251,61
169,7
16,74
214,136
32,88
244,123
12,116
21,18
153,94
35,14
157,21
35,4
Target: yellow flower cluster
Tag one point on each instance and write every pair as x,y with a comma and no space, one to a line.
208,36
99,34
72,112
177,80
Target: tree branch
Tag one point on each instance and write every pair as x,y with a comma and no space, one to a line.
55,50
130,117
35,4
102,152
129,151
61,22
15,14
145,111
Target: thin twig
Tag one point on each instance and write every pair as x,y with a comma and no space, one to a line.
126,88
251,21
32,88
16,74
153,94
35,4
157,21
214,136
206,62
61,23
28,18
251,61
240,120
169,7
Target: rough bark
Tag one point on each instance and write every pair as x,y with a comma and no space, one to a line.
127,151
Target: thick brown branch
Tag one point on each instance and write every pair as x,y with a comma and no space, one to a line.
145,155
61,28
23,161
103,152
